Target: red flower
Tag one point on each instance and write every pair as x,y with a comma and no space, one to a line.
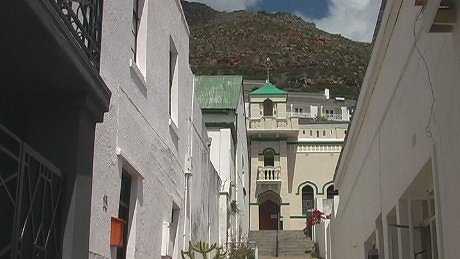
315,218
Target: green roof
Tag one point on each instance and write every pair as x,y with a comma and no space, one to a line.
268,89
218,92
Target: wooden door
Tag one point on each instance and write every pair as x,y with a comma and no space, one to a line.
268,215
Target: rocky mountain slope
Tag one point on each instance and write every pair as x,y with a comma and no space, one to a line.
303,58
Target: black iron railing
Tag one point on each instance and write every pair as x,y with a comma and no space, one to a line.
84,20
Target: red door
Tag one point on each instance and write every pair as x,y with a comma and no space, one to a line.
268,215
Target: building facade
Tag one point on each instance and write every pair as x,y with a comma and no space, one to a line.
153,183
398,173
295,141
222,104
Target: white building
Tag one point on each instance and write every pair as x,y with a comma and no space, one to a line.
399,170
152,169
221,100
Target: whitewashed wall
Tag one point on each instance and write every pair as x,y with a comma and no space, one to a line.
231,162
136,135
242,174
395,137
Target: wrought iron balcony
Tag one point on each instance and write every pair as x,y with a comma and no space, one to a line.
268,174
84,20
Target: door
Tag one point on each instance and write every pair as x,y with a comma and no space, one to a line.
268,215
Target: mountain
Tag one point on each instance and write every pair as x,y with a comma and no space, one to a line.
302,57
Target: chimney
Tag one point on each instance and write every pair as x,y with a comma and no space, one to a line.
326,93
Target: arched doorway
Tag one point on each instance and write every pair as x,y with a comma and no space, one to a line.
268,107
268,215
269,210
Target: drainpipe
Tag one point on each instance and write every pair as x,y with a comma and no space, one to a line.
188,173
237,159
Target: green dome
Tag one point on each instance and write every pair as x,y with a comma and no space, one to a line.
268,89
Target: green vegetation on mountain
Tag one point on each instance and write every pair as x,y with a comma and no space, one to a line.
303,58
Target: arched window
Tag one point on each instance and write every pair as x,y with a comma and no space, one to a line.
331,192
268,107
269,157
308,200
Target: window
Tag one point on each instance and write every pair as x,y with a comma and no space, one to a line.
123,211
393,241
317,133
268,107
308,202
135,28
424,227
173,83
329,114
370,247
269,157
324,133
174,225
311,133
331,192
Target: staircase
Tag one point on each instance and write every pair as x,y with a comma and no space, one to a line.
291,243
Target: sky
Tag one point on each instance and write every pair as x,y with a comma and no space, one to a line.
354,19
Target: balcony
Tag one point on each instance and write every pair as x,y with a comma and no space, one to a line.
57,44
268,174
331,117
300,115
270,123
83,18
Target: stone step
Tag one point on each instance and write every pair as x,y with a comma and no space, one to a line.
304,256
291,243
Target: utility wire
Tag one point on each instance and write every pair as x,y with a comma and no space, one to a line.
433,99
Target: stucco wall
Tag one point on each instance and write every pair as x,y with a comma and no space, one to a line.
242,173
404,131
301,164
315,169
136,135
